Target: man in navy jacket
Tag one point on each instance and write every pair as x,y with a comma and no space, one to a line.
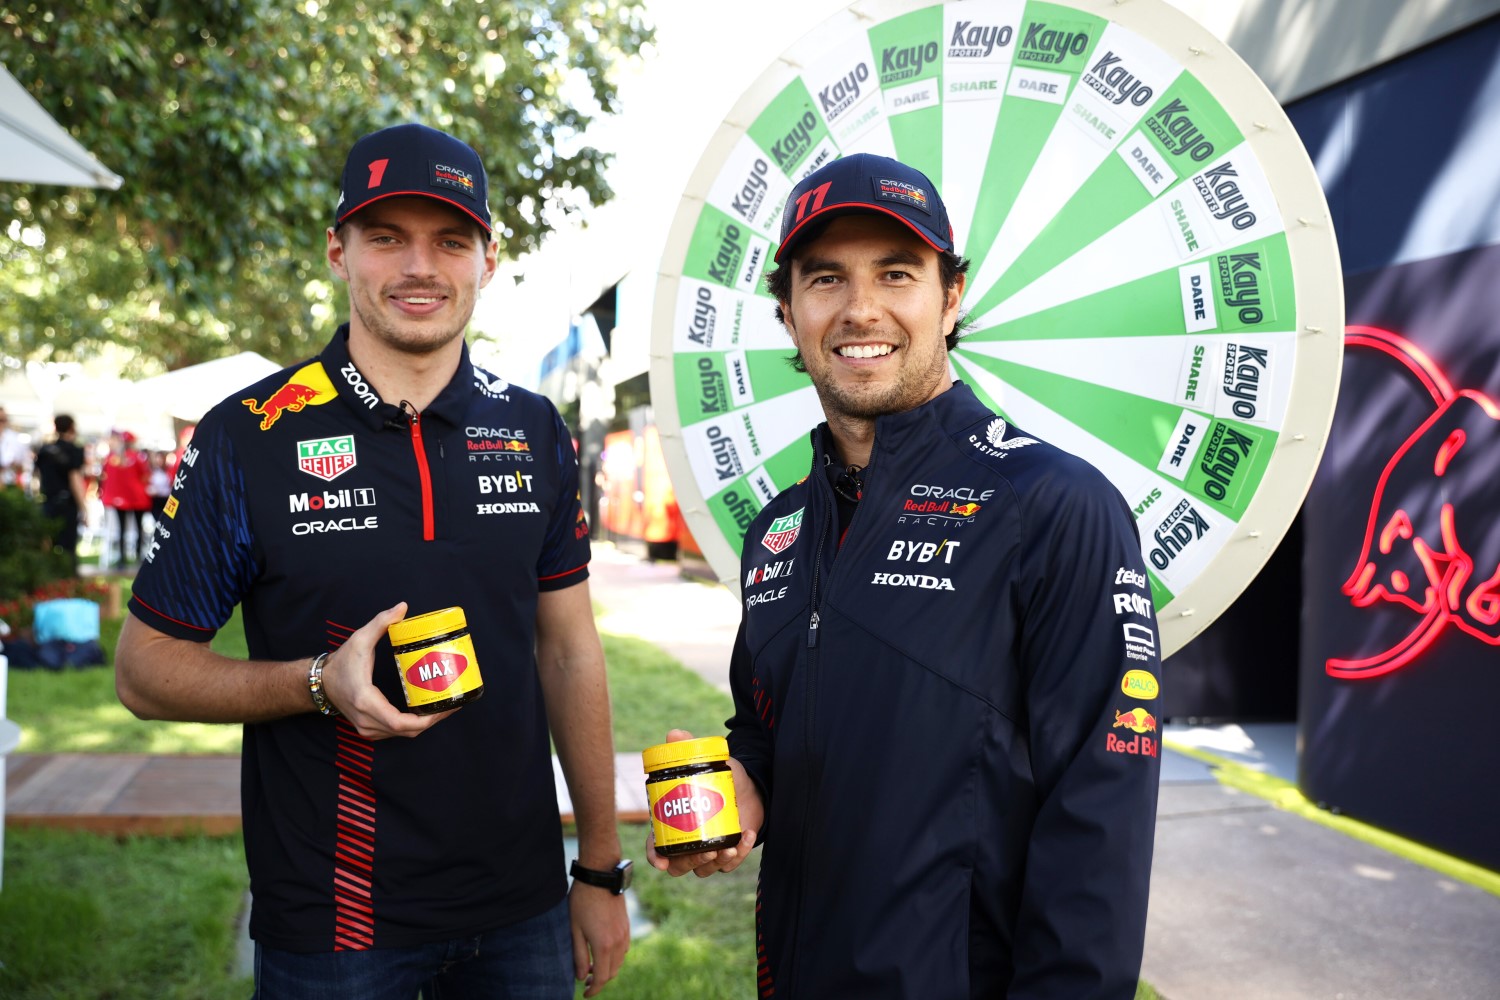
944,677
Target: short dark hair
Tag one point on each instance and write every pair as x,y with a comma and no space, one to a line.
63,424
951,267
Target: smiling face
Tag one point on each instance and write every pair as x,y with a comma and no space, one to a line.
414,268
869,313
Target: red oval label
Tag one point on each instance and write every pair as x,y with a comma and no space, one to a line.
437,670
687,807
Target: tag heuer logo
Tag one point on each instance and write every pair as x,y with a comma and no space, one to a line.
326,458
783,531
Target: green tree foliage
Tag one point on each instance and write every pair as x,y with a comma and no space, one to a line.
229,121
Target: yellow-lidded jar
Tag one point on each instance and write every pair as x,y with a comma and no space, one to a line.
435,658
691,791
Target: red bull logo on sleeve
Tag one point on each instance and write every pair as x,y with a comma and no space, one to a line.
308,386
1427,545
1137,720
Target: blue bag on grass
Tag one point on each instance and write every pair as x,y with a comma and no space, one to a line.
71,619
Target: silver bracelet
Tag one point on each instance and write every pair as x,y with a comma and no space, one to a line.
315,686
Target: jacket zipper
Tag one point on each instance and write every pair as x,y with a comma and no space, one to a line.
809,700
423,473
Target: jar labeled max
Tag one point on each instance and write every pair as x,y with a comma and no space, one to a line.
435,657
691,791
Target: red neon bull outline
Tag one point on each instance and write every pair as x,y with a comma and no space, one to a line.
1455,590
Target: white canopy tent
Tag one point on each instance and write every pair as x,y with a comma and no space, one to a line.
188,393
34,149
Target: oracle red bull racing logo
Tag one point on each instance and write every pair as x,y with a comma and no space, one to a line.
308,386
1423,547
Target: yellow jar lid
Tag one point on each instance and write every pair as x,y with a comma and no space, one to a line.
433,623
704,750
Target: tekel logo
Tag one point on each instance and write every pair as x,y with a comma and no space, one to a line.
308,386
783,531
437,670
687,807
1427,546
1137,720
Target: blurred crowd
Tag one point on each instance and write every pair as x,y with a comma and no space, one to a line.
112,505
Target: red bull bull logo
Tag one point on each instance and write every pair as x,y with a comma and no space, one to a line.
1422,551
308,386
1137,720
966,510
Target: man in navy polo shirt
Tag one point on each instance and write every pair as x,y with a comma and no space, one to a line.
391,852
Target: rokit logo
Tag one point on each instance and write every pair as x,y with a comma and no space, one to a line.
1132,604
361,388
331,500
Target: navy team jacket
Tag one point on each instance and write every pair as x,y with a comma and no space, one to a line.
951,717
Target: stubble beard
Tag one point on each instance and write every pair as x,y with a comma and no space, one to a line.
414,337
866,401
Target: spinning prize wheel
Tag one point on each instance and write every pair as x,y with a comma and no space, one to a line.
1154,285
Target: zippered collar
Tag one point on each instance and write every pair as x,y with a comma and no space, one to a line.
953,411
376,413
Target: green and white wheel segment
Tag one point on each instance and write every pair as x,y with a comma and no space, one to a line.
1155,283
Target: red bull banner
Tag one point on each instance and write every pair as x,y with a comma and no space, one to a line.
1399,624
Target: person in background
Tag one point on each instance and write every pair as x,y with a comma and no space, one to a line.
15,457
943,679
59,471
159,483
391,852
123,490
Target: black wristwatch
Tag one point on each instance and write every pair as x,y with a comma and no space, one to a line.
616,879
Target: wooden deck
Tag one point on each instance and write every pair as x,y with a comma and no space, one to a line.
166,796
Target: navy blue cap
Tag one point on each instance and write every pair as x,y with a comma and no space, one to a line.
412,159
864,182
